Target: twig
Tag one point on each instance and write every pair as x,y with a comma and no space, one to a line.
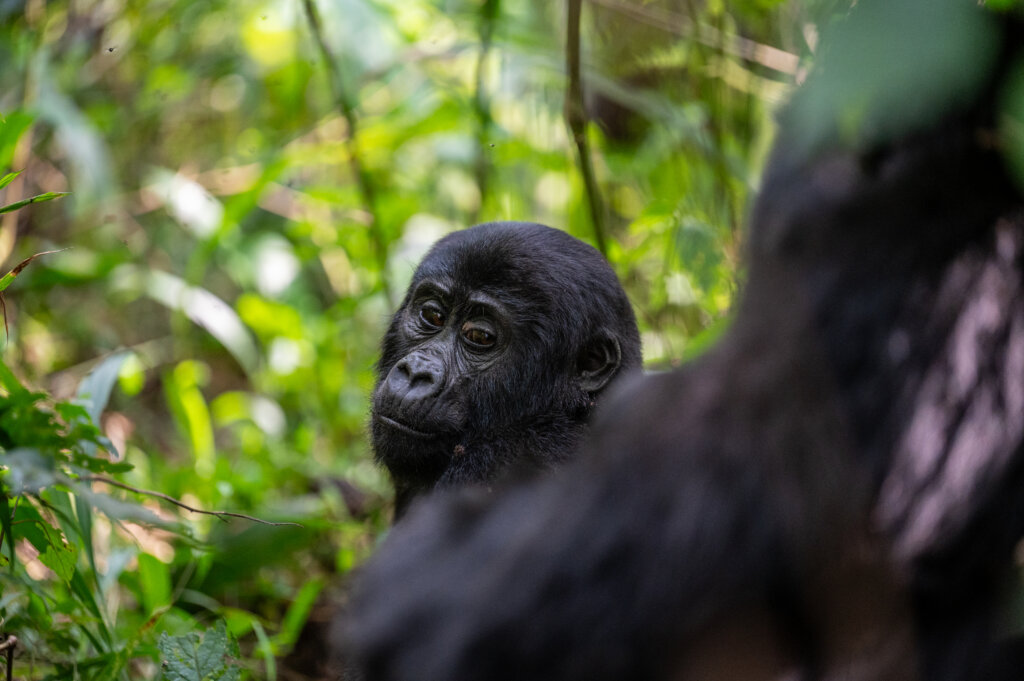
166,497
7,647
488,14
576,119
343,99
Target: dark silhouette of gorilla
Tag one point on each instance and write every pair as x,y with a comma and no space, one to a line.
507,336
833,492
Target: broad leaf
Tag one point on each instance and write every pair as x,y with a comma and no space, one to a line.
190,657
60,555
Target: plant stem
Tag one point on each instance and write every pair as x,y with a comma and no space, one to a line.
223,515
576,118
343,99
488,15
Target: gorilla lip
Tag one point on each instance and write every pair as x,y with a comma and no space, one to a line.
404,428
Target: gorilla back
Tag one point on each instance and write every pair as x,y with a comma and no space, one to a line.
506,337
832,492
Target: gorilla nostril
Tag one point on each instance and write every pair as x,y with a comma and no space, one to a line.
422,378
422,383
415,377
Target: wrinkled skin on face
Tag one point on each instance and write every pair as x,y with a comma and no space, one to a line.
506,337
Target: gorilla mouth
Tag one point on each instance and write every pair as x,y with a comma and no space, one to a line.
401,427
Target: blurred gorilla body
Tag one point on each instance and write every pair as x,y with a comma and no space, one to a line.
832,492
507,336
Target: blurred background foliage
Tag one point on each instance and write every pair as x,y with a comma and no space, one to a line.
252,182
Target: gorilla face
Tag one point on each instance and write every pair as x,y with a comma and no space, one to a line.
506,336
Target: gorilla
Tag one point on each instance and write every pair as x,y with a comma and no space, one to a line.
832,492
508,335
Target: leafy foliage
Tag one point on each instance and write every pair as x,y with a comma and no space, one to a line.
251,183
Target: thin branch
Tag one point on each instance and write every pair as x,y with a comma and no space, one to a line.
7,647
576,118
343,99
488,16
8,643
169,499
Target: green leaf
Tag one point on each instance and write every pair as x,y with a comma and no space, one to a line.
192,414
12,127
298,612
83,464
9,277
8,178
59,556
5,523
190,657
85,596
10,381
154,582
84,514
94,390
28,470
48,196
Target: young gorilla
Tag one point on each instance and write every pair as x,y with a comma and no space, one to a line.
507,336
832,493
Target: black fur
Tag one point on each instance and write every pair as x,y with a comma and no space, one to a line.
448,411
834,491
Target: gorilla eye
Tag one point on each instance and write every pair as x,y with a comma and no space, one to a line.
432,317
478,336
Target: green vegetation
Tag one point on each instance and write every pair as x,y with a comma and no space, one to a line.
251,183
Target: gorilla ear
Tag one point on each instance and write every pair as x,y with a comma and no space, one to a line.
598,362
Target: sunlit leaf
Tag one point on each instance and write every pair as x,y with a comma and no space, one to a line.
10,381
192,415
12,127
8,178
201,306
298,612
155,582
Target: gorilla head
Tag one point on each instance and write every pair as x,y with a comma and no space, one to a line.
507,335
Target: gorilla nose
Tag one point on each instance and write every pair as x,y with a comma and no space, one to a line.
416,377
